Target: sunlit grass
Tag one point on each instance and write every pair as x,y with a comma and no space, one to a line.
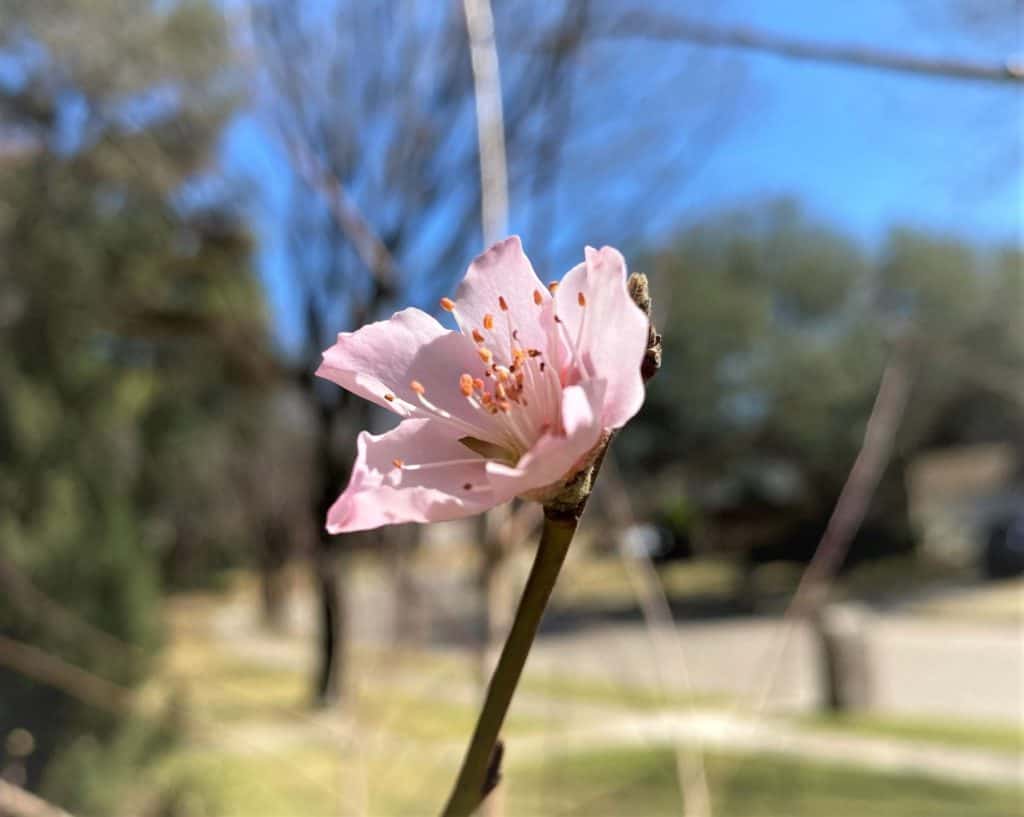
588,690
960,734
604,581
255,748
317,781
617,783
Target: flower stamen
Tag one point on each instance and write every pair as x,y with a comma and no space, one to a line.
428,466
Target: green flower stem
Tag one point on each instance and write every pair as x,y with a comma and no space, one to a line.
481,768
479,772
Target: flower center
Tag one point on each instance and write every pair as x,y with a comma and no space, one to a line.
518,397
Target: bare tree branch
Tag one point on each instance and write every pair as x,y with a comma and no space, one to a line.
16,802
648,25
349,218
346,213
48,669
53,616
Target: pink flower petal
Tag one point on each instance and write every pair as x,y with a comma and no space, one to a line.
376,359
553,456
417,472
385,357
613,337
503,273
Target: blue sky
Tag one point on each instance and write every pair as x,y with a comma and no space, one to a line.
862,150
866,149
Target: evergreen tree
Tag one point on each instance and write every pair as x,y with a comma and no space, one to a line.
130,327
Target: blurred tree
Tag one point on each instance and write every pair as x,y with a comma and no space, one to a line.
778,330
389,147
130,330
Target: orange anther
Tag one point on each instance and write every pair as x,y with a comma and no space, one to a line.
478,384
417,387
537,297
485,354
466,384
477,336
397,462
489,320
447,304
581,299
503,303
389,397
553,287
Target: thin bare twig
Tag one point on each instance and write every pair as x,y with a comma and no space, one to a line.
490,121
55,617
350,219
664,637
655,26
850,508
368,245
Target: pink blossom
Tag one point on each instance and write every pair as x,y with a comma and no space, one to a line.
513,404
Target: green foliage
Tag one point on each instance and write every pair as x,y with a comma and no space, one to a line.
776,331
95,774
132,338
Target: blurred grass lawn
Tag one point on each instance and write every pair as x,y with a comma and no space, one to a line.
253,748
318,780
643,782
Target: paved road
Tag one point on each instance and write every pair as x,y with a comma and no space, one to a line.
932,666
919,666
615,654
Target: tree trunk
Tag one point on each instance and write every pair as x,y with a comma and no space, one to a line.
331,566
331,585
273,579
841,632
